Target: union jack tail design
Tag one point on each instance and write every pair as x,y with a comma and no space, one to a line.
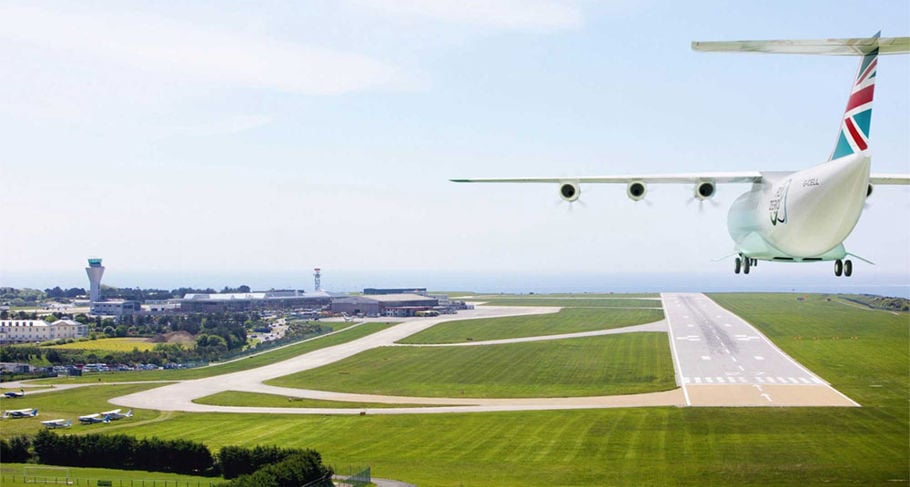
854,129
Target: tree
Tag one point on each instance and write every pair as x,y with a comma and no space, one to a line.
15,450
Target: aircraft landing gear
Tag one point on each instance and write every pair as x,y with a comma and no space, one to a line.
744,264
843,267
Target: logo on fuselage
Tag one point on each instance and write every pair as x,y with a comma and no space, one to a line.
778,205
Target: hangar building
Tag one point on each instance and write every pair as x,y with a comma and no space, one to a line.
384,304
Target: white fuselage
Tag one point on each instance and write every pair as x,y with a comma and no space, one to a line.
804,215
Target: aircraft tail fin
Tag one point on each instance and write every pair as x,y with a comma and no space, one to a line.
853,135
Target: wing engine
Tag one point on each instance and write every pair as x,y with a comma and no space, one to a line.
705,190
569,191
636,190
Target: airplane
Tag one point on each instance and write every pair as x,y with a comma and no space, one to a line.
800,216
57,423
20,413
14,394
115,414
94,418
347,319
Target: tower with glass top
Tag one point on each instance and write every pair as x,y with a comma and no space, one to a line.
94,270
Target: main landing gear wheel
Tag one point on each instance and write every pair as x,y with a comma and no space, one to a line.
839,267
848,268
747,263
739,264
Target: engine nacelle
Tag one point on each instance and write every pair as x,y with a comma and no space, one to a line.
636,190
705,190
569,191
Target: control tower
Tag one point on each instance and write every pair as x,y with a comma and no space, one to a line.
94,270
317,279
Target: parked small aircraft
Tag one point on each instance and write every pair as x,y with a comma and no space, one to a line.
94,418
14,394
115,414
57,423
800,216
20,413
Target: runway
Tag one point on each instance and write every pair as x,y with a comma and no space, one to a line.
721,360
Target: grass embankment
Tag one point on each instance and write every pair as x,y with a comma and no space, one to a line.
236,398
265,358
619,364
648,446
11,475
568,320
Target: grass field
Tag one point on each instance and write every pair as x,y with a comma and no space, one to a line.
11,475
71,404
617,364
227,367
110,345
865,354
236,398
568,320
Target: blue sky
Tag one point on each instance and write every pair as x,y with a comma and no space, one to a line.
240,137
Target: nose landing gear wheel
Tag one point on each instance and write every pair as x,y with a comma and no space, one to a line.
839,267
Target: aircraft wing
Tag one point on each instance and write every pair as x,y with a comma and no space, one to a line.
832,47
889,178
636,184
681,178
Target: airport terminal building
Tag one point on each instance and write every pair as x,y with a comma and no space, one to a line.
259,301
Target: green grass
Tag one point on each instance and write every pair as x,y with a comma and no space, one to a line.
618,364
485,296
579,301
235,398
11,476
659,446
645,446
109,345
569,320
247,363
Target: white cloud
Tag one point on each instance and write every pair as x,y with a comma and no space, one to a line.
184,52
505,14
